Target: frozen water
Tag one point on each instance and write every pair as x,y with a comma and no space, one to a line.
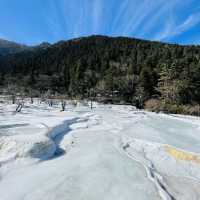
110,152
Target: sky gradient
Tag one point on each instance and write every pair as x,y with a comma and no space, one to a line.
34,21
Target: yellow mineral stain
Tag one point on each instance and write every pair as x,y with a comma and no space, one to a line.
182,155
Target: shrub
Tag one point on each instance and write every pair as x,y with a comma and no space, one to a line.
153,105
191,110
156,105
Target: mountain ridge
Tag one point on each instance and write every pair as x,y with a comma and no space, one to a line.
129,69
11,47
8,47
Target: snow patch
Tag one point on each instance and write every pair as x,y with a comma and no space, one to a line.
22,146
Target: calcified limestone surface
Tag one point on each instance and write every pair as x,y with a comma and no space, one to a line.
109,152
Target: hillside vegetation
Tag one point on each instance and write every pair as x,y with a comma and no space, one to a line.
148,74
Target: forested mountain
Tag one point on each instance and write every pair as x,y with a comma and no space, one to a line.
121,69
7,47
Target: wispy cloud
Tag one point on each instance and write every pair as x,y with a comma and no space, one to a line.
141,18
137,17
172,30
64,19
122,10
53,19
97,12
190,22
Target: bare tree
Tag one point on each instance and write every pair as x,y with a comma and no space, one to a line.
63,105
50,102
31,93
47,97
12,90
19,107
91,97
20,103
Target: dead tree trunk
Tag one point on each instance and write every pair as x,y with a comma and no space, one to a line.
50,102
91,104
32,100
63,105
13,99
19,107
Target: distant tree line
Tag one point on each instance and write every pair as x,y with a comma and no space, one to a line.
143,73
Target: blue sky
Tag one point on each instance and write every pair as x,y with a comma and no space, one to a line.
34,21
